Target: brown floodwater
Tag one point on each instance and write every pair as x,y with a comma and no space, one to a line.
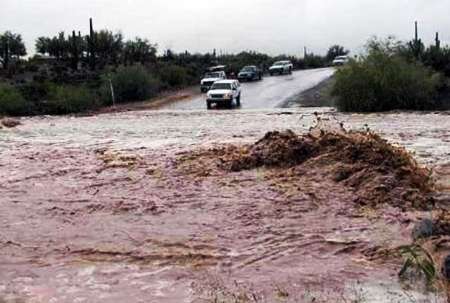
98,209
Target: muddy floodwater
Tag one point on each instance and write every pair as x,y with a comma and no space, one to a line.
99,209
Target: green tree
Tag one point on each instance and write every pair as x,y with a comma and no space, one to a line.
11,47
335,51
139,51
108,47
57,46
42,45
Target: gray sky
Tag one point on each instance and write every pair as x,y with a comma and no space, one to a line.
272,26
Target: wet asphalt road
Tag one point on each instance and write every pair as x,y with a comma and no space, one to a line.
271,92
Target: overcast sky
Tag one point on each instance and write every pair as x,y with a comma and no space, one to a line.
272,26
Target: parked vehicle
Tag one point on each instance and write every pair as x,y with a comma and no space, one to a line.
209,78
281,67
224,92
217,68
340,60
250,73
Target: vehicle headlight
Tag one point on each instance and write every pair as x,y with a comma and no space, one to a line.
227,96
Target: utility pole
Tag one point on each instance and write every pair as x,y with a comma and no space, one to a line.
111,87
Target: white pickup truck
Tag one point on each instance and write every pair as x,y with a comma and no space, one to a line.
209,79
224,93
340,60
281,67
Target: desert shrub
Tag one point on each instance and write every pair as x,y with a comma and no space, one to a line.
131,83
173,76
36,91
383,81
438,59
12,102
314,61
67,99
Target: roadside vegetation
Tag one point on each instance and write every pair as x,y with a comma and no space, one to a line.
395,76
75,73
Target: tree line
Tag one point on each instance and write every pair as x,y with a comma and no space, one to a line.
99,49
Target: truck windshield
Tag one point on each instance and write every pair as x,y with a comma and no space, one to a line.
248,69
221,86
213,75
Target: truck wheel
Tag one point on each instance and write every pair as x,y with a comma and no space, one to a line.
290,71
238,101
230,104
271,74
208,105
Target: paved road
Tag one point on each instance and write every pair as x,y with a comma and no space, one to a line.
269,93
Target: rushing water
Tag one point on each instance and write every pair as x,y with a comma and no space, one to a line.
93,209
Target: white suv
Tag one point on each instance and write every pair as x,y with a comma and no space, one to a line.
281,67
224,92
209,79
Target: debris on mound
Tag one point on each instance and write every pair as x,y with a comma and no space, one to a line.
113,159
280,149
427,228
441,225
9,122
376,170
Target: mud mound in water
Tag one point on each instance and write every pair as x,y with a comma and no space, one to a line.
376,170
281,149
9,122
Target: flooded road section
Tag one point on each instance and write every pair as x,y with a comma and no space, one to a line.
99,209
269,93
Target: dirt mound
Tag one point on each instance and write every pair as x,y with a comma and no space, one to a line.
376,170
9,122
281,149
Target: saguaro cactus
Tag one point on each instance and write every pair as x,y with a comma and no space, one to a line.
416,36
416,46
75,50
6,56
438,42
82,45
92,44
